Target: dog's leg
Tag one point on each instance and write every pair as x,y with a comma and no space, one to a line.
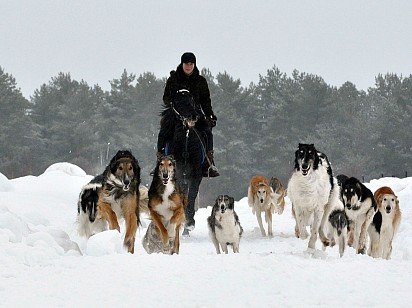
374,246
387,250
268,217
160,227
236,247
364,230
129,212
297,233
176,246
224,247
342,242
108,214
317,218
215,242
178,212
386,244
324,239
351,234
259,219
301,224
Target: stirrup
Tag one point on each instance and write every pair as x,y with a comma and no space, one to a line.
211,172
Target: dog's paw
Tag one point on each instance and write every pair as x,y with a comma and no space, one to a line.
361,250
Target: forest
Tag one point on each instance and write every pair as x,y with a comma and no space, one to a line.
364,133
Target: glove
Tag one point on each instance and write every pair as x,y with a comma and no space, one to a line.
212,120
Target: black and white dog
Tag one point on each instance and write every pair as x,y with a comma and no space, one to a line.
360,208
337,229
89,222
224,226
314,193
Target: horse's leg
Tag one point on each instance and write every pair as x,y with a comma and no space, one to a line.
193,189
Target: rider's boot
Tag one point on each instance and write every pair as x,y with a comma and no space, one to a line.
210,170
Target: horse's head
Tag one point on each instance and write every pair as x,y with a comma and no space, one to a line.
186,108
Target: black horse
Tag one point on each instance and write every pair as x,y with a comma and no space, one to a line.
184,121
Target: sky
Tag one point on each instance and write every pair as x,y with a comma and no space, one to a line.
45,263
96,40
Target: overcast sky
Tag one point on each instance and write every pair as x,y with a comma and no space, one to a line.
95,40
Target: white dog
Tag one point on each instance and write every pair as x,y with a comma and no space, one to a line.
224,226
385,223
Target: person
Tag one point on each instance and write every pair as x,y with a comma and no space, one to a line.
187,77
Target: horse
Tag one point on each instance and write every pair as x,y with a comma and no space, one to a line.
186,142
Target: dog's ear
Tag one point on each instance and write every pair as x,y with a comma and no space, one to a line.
232,201
358,186
136,169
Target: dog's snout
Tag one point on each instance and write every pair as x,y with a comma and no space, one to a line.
388,208
126,182
222,207
348,205
165,175
305,166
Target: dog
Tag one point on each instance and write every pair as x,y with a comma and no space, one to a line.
119,195
280,193
89,221
262,198
166,205
224,226
314,193
385,223
337,229
360,208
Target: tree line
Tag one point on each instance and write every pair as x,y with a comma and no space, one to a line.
364,133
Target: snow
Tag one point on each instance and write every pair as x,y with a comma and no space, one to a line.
68,168
5,184
45,263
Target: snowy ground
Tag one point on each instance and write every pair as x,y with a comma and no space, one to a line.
44,263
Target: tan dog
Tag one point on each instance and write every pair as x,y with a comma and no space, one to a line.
166,204
119,195
280,193
262,198
385,223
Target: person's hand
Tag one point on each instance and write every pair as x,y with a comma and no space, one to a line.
212,120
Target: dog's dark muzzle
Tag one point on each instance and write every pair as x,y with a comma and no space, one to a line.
126,184
222,208
165,177
348,206
388,209
305,169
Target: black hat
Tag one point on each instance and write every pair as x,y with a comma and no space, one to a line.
188,57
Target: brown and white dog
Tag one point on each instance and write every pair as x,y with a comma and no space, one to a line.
166,204
385,223
280,193
119,195
262,198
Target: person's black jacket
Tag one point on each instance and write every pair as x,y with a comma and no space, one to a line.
195,83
